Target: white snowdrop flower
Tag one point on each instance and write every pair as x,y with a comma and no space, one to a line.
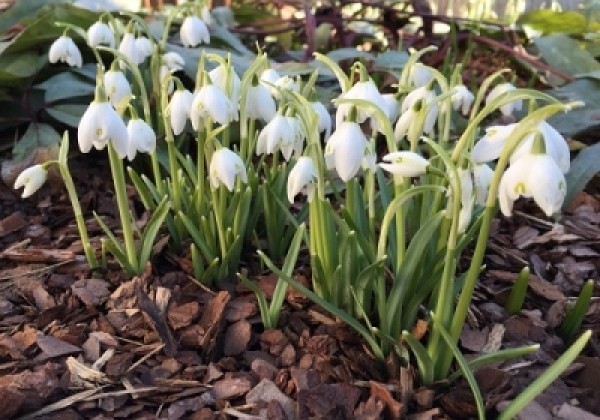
324,123
163,73
179,109
259,103
224,167
100,124
194,32
268,78
100,34
141,138
299,137
173,61
367,91
144,47
419,75
556,146
489,147
302,179
412,105
393,106
211,102
506,109
206,16
462,99
65,51
345,150
117,87
467,200
482,178
218,77
403,123
128,47
405,163
534,176
276,135
32,179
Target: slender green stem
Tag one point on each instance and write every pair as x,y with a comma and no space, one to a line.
116,167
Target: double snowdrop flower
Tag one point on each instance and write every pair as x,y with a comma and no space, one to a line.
194,32
260,105
345,150
211,102
302,179
418,101
405,163
277,135
64,50
32,179
462,99
506,109
100,124
179,109
224,167
141,138
365,90
219,77
100,34
117,87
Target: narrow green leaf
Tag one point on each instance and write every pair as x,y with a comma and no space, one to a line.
151,230
575,315
518,292
424,362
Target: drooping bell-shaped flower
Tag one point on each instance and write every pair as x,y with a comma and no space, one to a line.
141,138
299,137
173,61
555,145
345,150
218,77
302,179
224,167
276,135
365,90
211,102
100,34
419,75
506,109
128,47
534,176
324,123
65,51
467,199
144,47
179,109
417,101
32,179
117,87
405,163
259,103
482,178
489,147
194,32
393,106
462,99
99,125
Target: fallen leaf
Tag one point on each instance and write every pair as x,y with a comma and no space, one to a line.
92,292
237,337
267,391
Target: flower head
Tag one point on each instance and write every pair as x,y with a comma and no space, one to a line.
462,99
129,48
211,102
489,147
419,75
419,100
193,32
534,176
259,103
224,166
482,178
302,179
555,143
100,34
405,163
218,76
65,51
345,150
117,87
179,109
144,47
32,179
506,109
100,124
141,138
366,90
276,135
324,118
173,61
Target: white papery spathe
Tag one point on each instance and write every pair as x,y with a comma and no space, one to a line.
129,48
489,147
117,87
534,176
141,138
64,50
506,109
99,125
419,75
194,32
179,109
462,99
482,178
211,102
144,47
218,77
224,167
32,179
555,143
277,135
405,163
260,105
324,123
345,150
302,179
100,34
367,91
